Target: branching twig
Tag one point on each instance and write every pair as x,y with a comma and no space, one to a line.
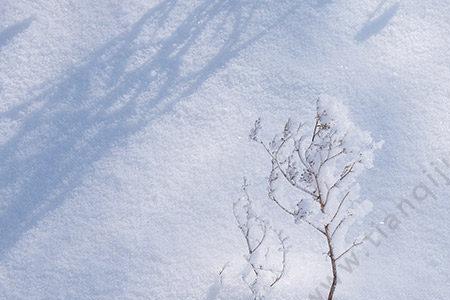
284,251
338,226
311,171
253,228
355,244
339,207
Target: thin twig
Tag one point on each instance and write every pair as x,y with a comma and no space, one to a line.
355,244
339,207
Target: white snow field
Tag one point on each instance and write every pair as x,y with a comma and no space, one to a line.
124,139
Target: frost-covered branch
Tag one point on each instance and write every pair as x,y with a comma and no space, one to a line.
267,266
324,171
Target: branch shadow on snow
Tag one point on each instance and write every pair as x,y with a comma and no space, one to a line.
114,93
375,24
12,31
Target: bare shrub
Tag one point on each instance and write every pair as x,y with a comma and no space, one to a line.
322,165
266,248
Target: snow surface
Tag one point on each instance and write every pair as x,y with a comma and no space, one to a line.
124,139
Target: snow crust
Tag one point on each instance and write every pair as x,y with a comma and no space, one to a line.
124,139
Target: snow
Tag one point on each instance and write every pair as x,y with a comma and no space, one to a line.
124,140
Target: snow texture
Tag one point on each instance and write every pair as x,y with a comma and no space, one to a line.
124,140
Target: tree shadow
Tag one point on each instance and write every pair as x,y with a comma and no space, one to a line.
375,24
114,93
322,3
10,32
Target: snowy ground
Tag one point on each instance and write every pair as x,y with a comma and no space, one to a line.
123,140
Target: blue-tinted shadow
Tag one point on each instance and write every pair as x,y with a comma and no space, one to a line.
375,25
10,32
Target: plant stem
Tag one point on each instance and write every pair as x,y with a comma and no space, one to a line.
333,259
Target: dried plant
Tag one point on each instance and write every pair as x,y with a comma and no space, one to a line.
266,264
322,166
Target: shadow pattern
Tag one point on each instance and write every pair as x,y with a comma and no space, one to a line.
96,106
375,24
12,31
